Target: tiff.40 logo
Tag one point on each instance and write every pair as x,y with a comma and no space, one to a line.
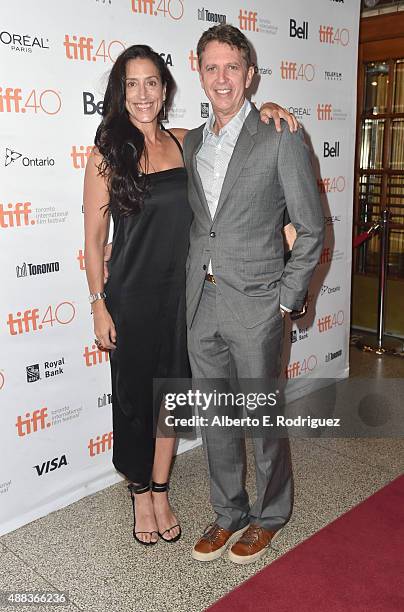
84,48
173,9
328,35
330,321
293,71
13,100
32,320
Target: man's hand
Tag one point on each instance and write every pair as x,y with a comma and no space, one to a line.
289,236
107,257
270,110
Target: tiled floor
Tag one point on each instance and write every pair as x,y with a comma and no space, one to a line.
87,549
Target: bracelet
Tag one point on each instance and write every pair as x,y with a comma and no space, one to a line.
93,297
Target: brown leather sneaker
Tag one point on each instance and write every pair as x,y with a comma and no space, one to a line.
252,545
214,542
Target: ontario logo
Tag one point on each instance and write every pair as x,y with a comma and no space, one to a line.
13,156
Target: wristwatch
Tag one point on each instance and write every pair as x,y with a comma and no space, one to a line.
93,297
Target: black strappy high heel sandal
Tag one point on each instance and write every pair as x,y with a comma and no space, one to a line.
138,489
162,488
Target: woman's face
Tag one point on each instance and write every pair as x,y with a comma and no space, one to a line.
145,93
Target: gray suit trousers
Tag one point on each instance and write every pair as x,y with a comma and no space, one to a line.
220,348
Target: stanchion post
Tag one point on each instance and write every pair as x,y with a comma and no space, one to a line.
384,254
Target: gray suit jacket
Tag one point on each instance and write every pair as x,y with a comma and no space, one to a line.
268,171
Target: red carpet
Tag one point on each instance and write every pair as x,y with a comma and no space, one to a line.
355,563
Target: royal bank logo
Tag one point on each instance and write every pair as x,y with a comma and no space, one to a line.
299,334
204,110
33,373
206,15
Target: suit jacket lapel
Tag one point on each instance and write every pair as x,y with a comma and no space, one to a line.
195,174
244,145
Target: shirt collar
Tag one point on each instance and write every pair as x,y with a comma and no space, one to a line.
233,128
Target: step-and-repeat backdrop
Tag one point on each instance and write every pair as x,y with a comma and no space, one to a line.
55,394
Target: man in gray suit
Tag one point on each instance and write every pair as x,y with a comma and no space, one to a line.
243,174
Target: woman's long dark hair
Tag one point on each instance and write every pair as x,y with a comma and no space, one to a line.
120,143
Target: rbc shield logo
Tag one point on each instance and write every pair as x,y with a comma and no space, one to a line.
33,373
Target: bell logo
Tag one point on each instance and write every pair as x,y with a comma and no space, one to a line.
331,151
16,215
248,20
100,444
80,259
32,422
80,155
296,31
324,112
50,465
94,356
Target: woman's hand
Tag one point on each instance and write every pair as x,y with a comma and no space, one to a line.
104,328
270,110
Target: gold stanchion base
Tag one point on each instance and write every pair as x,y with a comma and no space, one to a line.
390,346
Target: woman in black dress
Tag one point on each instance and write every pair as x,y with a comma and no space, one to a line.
136,174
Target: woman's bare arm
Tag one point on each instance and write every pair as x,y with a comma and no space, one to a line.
96,223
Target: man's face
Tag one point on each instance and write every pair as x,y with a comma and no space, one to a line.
224,76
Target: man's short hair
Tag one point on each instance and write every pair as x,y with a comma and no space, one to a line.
227,34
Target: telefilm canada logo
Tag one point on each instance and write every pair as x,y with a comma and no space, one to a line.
23,42
205,14
12,156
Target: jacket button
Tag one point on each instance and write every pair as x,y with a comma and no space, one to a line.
212,234
203,267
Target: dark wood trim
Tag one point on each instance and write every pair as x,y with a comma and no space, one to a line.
381,27
376,50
